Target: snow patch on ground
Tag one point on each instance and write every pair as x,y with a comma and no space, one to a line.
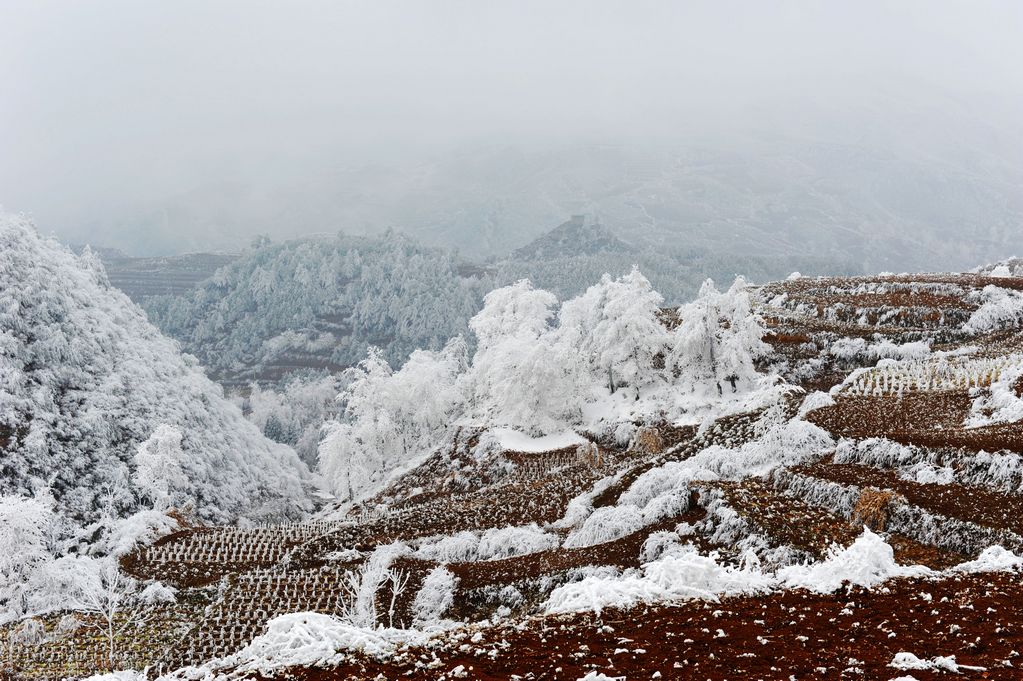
908,661
681,575
121,675
991,559
515,441
302,639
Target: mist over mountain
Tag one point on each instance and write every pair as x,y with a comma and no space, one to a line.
875,197
886,133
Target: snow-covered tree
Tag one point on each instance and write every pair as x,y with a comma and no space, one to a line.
616,328
116,600
389,417
25,533
294,415
523,374
158,466
717,341
325,298
742,337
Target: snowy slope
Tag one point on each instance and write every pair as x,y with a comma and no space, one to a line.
85,378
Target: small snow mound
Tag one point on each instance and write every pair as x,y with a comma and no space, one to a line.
516,441
815,400
310,638
908,661
992,559
866,562
794,276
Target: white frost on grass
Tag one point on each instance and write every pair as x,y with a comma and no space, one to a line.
581,506
857,349
606,524
868,561
1000,403
682,575
456,548
515,441
495,543
505,542
664,491
928,474
304,639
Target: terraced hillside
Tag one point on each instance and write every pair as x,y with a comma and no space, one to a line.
730,548
175,275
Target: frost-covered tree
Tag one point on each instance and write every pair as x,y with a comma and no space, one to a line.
25,533
158,466
390,416
116,601
523,374
718,339
295,414
616,328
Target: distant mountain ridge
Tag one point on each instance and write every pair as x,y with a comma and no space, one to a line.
577,236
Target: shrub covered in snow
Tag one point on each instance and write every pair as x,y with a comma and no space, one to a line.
999,308
435,596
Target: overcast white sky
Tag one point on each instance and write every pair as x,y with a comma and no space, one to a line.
106,104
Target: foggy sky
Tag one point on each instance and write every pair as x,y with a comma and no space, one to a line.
107,107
